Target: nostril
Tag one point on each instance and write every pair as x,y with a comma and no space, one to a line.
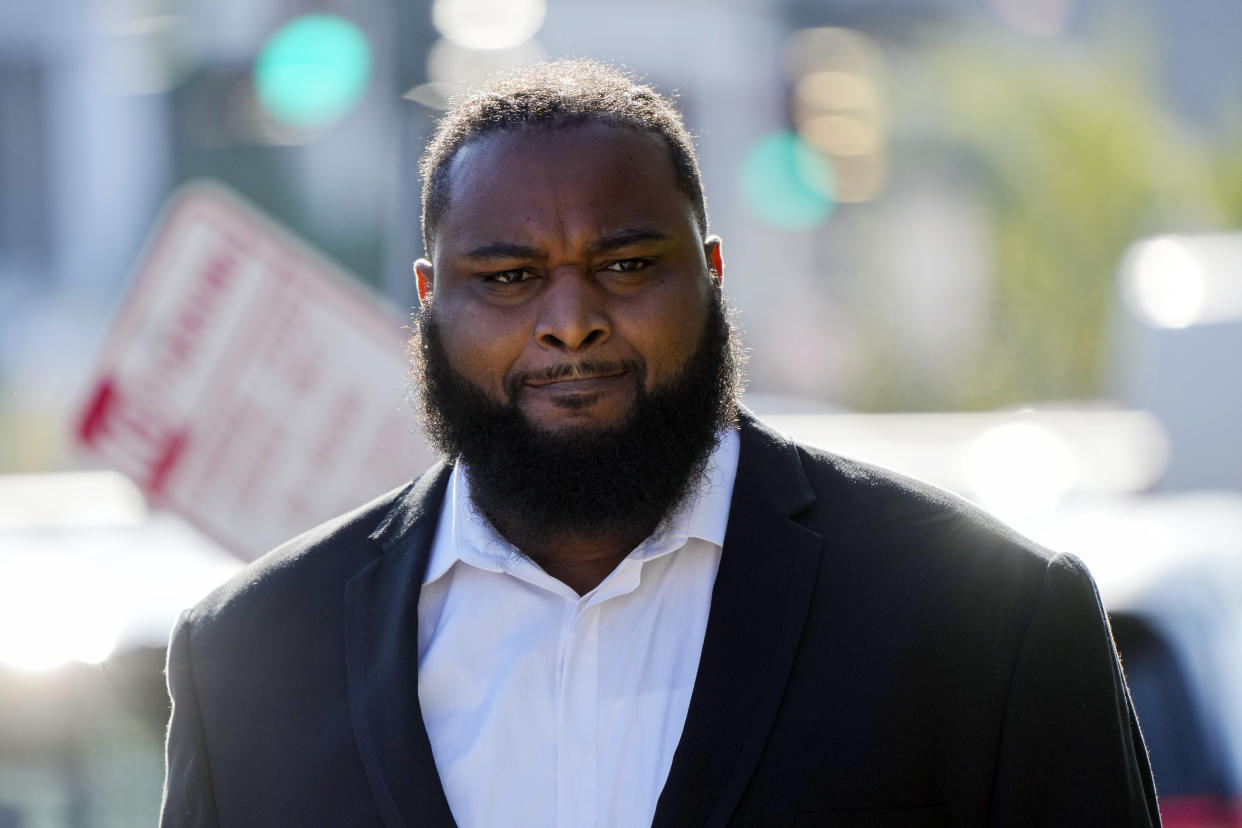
570,341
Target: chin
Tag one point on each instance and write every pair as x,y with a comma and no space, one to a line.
576,422
576,415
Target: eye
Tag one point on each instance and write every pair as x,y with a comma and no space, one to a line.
509,277
628,265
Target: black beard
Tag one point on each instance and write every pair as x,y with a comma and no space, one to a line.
538,486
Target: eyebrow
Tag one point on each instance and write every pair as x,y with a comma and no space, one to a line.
504,250
607,244
625,238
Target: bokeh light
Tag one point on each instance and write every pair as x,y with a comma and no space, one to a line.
52,613
313,70
1020,468
787,183
1164,282
837,106
832,48
840,135
488,24
843,90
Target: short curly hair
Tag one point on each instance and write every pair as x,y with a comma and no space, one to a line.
556,95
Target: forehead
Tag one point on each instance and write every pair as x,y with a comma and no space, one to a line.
580,179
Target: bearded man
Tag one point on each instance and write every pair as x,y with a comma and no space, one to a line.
621,600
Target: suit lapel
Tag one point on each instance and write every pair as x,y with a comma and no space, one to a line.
381,641
759,603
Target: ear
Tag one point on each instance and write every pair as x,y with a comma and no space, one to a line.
715,261
423,273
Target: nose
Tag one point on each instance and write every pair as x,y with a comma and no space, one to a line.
573,315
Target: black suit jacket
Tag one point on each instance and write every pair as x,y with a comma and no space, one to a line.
877,653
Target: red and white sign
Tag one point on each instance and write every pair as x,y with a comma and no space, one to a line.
248,383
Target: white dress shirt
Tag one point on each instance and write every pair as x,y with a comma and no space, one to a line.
548,708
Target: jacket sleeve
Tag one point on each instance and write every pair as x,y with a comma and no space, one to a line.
189,799
1071,752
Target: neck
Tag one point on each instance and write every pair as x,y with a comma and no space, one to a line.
580,560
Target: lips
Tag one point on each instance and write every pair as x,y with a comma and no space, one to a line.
590,393
584,383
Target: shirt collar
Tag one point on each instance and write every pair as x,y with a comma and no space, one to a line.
465,535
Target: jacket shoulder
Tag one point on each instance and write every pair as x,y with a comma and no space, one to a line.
320,558
890,507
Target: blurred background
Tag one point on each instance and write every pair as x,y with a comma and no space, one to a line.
995,244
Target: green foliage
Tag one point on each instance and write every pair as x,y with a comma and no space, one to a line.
1075,160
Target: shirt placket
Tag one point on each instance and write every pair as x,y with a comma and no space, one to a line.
577,718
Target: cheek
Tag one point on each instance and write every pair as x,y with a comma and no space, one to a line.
482,347
670,338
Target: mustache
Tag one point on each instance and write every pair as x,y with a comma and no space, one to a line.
574,370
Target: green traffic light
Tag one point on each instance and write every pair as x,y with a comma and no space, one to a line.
787,183
312,70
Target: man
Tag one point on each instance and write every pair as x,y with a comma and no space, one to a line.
622,600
